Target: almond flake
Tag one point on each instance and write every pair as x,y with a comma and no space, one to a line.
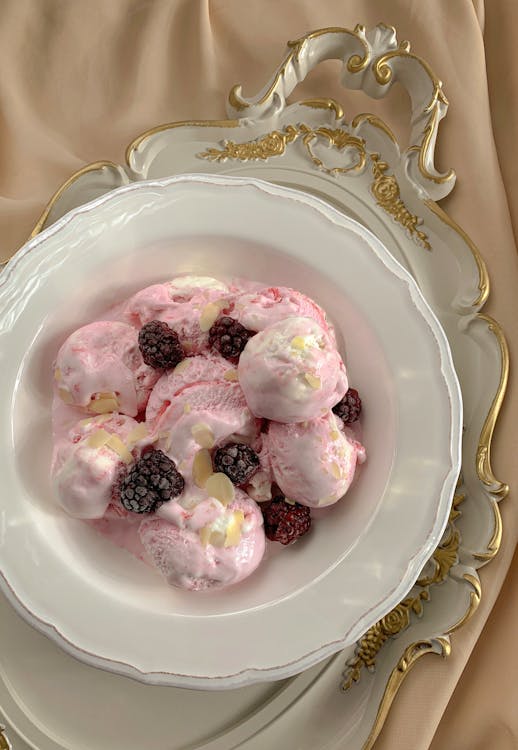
219,486
203,435
187,409
230,375
202,468
137,433
208,316
103,405
65,396
181,366
313,381
205,535
298,342
98,439
57,374
336,471
335,434
120,448
290,502
233,536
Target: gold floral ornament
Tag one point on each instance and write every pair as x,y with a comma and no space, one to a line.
275,143
4,741
385,190
399,618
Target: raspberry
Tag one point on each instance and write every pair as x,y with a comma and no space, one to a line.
238,461
284,522
349,408
229,337
153,480
159,345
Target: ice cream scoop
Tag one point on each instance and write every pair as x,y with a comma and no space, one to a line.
259,309
211,547
100,368
313,462
204,415
188,304
207,368
291,371
88,460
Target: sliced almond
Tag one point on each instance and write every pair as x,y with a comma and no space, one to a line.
290,502
137,433
187,409
208,316
230,375
217,539
103,405
97,420
298,342
233,535
181,366
57,374
205,535
98,439
65,396
313,381
202,468
120,448
203,435
219,486
335,470
334,434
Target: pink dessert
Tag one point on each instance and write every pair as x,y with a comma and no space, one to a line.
240,397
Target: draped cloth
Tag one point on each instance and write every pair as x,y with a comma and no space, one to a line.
80,78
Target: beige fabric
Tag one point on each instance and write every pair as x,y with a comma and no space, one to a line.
80,78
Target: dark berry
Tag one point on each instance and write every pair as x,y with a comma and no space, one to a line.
349,408
284,522
159,345
238,461
153,480
229,337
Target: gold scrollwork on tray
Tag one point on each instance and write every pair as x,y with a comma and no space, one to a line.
275,143
4,740
384,188
399,618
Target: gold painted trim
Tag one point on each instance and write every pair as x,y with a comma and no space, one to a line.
376,122
136,142
40,224
494,543
409,659
484,468
324,103
483,283
355,64
5,743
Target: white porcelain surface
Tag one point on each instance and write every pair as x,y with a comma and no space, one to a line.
362,557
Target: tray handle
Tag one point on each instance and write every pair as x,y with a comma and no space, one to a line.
372,61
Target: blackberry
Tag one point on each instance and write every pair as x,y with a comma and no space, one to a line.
229,337
153,480
350,407
238,461
159,345
284,522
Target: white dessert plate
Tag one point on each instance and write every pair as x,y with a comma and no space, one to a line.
304,602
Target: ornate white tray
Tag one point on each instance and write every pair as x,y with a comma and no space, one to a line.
359,167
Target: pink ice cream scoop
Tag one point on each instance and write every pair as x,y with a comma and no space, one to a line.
212,547
204,415
88,460
291,371
259,309
313,462
188,304
207,368
100,368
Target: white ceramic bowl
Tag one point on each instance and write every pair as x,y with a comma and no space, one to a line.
363,555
